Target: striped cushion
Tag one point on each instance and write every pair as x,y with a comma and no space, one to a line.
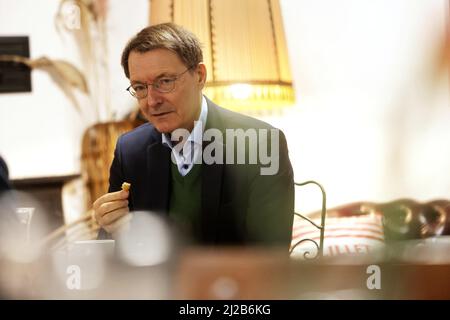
343,235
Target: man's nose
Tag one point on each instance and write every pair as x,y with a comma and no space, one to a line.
153,97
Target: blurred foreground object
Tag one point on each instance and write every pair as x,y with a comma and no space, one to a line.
147,242
83,228
22,226
251,273
232,273
88,270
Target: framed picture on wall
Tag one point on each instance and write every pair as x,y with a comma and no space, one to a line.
14,77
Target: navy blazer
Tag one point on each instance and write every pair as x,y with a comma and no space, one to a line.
239,206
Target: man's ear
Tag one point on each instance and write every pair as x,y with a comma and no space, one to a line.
202,73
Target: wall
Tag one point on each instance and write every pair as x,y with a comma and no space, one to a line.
40,132
371,122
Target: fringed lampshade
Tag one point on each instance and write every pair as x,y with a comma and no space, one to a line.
244,49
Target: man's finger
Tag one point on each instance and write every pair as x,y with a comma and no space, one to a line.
112,196
118,224
107,207
111,217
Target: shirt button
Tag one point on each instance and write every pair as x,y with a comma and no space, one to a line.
185,166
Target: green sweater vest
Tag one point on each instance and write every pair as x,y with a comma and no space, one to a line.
185,200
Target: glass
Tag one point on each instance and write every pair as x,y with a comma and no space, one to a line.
162,85
25,215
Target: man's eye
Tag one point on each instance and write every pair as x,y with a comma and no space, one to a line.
165,81
138,87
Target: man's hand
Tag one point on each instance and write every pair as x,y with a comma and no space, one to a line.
111,211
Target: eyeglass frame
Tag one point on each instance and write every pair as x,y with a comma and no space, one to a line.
174,78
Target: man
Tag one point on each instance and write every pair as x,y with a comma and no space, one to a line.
214,202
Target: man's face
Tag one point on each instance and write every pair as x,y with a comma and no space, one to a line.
172,110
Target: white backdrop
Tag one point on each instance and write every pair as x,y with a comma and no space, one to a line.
369,123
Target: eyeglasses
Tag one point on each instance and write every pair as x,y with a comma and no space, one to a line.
162,85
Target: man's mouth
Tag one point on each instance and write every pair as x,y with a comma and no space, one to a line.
160,114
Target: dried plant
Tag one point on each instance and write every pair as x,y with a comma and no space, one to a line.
63,73
90,36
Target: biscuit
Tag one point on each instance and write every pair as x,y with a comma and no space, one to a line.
126,186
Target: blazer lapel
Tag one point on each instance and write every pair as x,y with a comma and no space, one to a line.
212,176
158,162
